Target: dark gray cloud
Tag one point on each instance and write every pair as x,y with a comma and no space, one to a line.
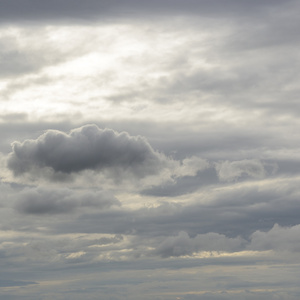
11,283
184,185
58,201
240,294
228,211
16,10
278,238
34,9
182,244
88,147
221,171
282,239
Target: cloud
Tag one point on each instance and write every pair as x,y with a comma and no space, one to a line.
11,283
30,56
86,148
229,210
69,249
92,9
191,166
58,201
230,171
245,293
279,238
183,244
215,90
183,185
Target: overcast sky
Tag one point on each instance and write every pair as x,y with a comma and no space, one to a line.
149,150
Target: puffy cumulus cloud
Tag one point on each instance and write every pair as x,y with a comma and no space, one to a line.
278,238
86,148
230,171
56,201
183,244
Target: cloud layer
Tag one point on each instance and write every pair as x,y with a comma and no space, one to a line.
57,201
187,185
73,9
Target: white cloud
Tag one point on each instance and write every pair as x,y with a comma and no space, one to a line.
230,171
190,166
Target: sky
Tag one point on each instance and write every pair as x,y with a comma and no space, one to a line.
149,150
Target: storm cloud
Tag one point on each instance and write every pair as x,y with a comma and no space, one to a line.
88,147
